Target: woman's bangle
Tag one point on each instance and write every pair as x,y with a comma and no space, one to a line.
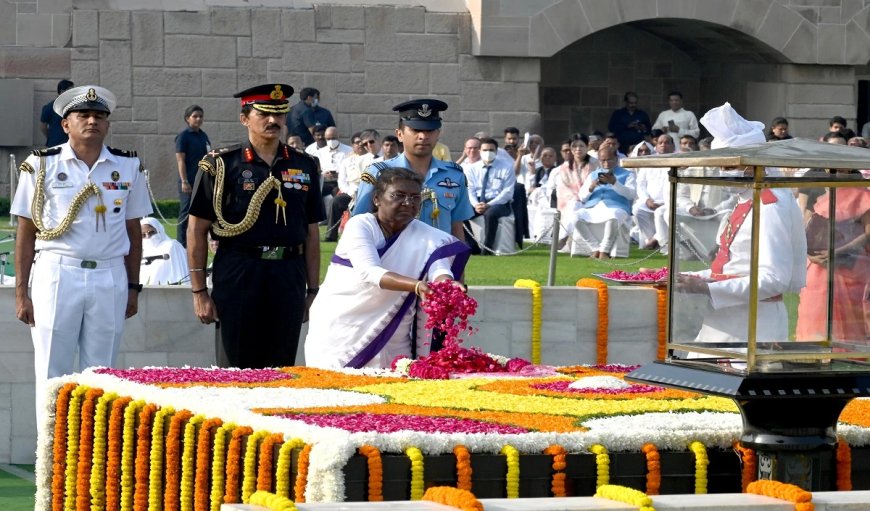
417,288
203,290
196,269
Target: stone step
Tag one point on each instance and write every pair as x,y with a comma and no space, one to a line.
823,501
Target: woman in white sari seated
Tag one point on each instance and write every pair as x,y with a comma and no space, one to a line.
365,311
164,260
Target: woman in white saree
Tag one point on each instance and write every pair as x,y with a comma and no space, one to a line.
365,311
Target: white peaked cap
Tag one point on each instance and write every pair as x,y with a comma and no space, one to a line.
729,129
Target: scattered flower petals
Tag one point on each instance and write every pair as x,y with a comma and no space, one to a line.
387,423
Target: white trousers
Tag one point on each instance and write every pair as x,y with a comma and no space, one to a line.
75,309
653,225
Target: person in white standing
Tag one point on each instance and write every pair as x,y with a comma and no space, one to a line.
79,205
781,252
677,121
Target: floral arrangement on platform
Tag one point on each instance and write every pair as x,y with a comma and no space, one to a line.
447,309
106,427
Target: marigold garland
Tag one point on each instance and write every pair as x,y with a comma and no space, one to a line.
128,454
86,451
203,464
97,486
172,492
155,474
602,465
512,458
264,470
115,443
143,457
662,314
74,421
272,501
232,484
537,309
416,457
453,497
219,465
603,316
626,495
282,468
463,467
558,453
653,468
60,447
185,495
748,463
376,472
801,498
844,465
701,462
302,473
249,478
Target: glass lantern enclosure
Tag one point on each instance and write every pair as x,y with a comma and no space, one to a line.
769,256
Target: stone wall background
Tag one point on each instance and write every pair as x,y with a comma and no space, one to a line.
553,65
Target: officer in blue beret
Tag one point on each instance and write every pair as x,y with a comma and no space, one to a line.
445,195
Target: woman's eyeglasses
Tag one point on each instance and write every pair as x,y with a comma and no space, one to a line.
402,198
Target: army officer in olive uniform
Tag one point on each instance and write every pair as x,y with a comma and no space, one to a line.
446,204
261,201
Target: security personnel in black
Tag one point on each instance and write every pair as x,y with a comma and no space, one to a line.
261,201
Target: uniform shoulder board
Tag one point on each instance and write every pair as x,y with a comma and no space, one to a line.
25,167
221,151
121,152
48,151
300,152
453,165
381,165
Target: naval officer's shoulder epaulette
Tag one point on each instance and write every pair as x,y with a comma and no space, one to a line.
48,151
207,163
122,152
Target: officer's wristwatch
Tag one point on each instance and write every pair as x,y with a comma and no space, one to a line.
135,287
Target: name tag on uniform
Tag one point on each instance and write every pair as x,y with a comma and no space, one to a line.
61,184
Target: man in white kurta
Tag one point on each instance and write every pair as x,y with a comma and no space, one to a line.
781,254
677,121
79,206
653,196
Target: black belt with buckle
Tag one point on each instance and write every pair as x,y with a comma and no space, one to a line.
268,252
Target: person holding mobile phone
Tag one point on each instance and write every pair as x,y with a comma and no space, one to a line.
677,121
605,198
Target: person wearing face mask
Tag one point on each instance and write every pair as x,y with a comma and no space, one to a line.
490,189
781,255
331,157
164,260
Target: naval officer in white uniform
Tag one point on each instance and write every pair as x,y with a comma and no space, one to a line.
79,242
